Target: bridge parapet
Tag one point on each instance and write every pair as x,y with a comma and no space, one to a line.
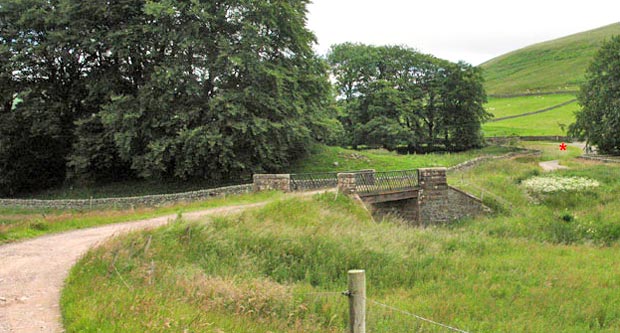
347,183
421,196
433,198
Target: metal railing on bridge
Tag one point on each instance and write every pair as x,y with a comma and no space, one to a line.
319,180
388,181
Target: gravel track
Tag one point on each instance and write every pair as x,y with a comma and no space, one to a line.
32,272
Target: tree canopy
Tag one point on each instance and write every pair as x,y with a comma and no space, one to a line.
599,119
393,96
156,89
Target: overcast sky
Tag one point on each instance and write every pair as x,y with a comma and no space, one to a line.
469,30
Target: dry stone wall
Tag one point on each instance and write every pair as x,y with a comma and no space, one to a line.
127,202
406,209
434,202
462,204
272,182
347,183
433,198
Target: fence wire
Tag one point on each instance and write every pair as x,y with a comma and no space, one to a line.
380,316
390,323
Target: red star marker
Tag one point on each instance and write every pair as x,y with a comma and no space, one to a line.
563,146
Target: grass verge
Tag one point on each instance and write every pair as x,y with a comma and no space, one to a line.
324,158
17,224
261,271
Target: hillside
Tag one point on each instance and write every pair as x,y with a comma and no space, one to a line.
552,66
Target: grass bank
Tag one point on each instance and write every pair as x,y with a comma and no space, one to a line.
325,158
586,217
17,224
280,268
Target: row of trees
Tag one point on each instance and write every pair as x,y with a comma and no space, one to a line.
155,89
393,96
107,90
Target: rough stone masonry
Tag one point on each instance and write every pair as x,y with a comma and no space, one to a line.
432,202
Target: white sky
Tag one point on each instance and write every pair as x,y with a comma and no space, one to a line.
469,30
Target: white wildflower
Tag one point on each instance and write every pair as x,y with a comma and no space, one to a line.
550,184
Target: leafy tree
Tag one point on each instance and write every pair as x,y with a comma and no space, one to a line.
159,89
599,119
393,96
463,99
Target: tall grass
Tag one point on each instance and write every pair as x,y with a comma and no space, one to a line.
261,271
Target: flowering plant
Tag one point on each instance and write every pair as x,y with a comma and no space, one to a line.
551,184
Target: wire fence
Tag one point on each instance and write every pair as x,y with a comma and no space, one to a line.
384,318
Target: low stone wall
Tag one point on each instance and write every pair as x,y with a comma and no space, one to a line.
462,204
347,183
534,94
433,202
272,182
478,160
127,202
406,209
600,158
507,139
433,199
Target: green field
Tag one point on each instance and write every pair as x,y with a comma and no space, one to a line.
323,158
557,65
545,264
504,107
547,123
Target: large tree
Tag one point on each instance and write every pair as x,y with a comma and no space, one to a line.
393,96
598,121
154,89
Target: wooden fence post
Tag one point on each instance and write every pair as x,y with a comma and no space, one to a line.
357,301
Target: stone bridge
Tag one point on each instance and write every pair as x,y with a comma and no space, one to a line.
420,196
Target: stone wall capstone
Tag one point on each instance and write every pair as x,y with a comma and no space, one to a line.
347,183
272,182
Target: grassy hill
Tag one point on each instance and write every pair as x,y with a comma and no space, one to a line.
552,66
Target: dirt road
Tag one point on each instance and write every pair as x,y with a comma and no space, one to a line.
32,272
